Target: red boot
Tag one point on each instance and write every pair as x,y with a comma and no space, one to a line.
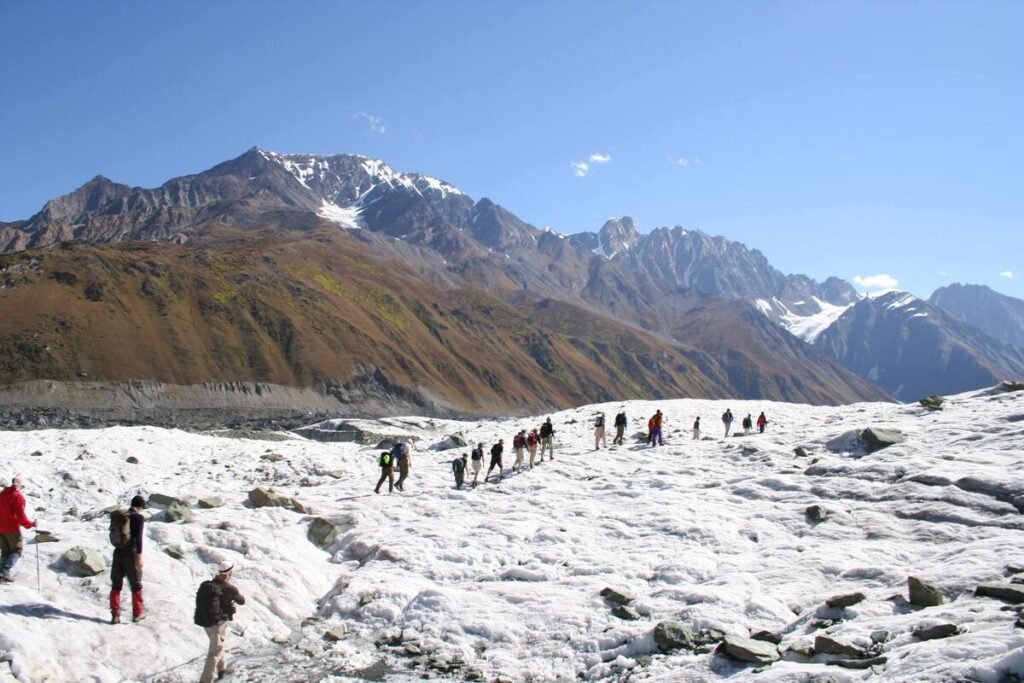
138,613
115,607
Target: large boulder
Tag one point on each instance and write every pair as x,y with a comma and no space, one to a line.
824,644
931,403
625,612
323,533
178,512
816,514
1012,593
450,441
876,438
263,498
749,650
210,502
616,596
671,635
922,593
845,600
79,561
936,631
161,500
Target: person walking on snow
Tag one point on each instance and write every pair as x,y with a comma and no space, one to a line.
519,445
496,451
400,454
12,520
532,439
215,607
126,537
748,425
620,429
599,437
547,433
477,460
727,420
459,466
762,422
387,471
655,426
696,429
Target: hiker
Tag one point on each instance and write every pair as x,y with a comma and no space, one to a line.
126,537
12,519
477,459
387,471
727,420
519,445
748,424
599,436
620,428
459,466
650,429
696,429
215,607
400,454
655,429
496,451
547,433
532,439
762,422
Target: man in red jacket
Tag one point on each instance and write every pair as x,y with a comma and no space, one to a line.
12,518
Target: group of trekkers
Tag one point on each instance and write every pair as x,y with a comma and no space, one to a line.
747,423
215,598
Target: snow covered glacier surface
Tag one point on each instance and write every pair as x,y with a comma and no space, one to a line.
710,533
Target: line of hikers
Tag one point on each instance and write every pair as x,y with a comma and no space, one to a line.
747,422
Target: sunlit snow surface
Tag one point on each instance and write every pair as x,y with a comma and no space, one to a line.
346,217
810,326
711,533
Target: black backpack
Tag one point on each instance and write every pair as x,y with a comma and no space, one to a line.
458,465
120,529
209,608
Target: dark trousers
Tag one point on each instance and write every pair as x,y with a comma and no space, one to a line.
403,473
619,430
123,566
460,477
495,462
387,473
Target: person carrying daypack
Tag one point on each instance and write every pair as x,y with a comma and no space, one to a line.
620,429
215,607
547,433
599,436
387,472
655,426
496,451
459,468
476,459
762,422
696,429
400,455
12,520
727,420
519,446
532,439
748,424
126,537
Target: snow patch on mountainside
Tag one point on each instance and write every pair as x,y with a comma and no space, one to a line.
346,217
808,327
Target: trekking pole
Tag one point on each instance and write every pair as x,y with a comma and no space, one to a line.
39,581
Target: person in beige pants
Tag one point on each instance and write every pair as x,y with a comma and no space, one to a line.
229,596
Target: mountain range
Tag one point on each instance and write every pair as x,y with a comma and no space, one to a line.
338,272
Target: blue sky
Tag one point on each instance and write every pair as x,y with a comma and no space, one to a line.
839,138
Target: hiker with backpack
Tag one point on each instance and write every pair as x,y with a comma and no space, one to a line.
620,429
12,520
519,445
655,426
400,454
547,433
696,429
387,471
496,451
532,439
748,424
215,607
459,466
599,436
727,420
762,422
477,461
126,537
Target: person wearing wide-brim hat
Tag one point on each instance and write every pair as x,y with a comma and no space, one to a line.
215,607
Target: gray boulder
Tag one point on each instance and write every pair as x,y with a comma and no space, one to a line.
272,457
79,561
865,663
800,451
748,650
450,441
830,646
923,594
767,636
263,498
931,403
1011,386
616,596
845,600
937,631
161,500
671,635
178,512
335,634
1012,593
816,514
876,438
323,533
210,502
625,613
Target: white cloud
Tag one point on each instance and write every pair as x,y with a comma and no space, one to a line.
584,168
1008,274
598,158
581,168
375,123
685,162
880,281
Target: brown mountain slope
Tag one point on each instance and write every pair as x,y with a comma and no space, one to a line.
315,309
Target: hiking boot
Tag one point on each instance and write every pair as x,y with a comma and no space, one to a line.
115,618
138,617
6,578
